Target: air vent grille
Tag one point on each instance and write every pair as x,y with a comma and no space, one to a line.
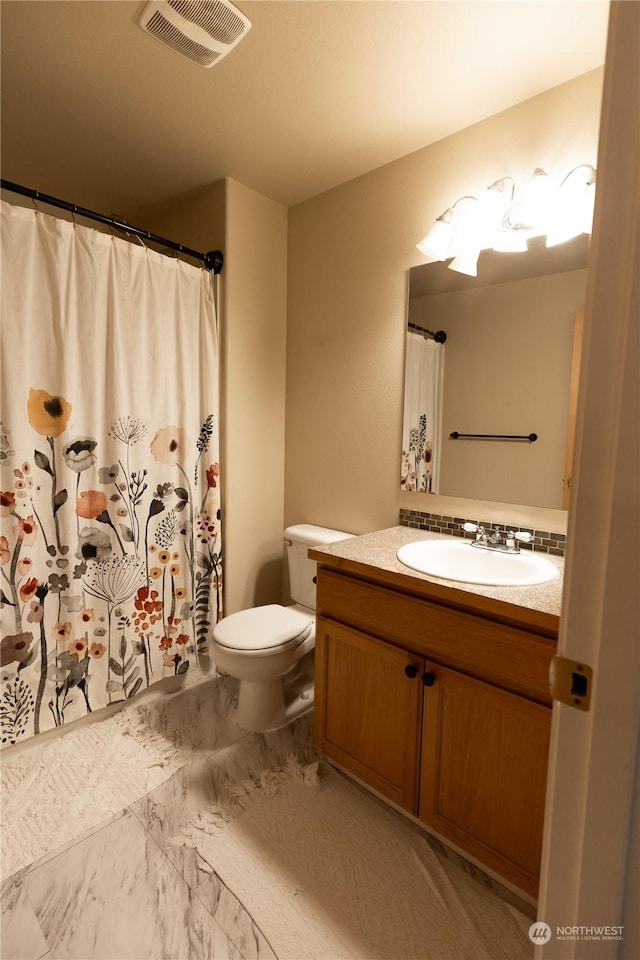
164,31
218,19
204,31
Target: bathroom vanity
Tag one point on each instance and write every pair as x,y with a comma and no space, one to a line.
436,694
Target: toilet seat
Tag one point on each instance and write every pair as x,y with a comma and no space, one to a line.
268,628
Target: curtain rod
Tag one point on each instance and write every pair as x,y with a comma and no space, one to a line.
439,336
212,260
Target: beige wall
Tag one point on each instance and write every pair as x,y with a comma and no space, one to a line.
349,254
252,232
342,348
254,325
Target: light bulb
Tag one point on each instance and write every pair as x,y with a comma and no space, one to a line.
572,209
530,213
510,241
466,262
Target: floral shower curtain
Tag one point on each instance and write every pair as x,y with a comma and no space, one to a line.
110,547
422,422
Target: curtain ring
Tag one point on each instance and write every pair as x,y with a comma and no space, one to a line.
122,226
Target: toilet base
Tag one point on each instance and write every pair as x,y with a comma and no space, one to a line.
271,704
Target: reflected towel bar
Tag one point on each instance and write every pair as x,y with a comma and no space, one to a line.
530,437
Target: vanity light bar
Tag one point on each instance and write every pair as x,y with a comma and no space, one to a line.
505,222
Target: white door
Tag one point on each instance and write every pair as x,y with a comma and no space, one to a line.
591,853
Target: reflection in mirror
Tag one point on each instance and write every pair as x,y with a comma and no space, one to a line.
505,370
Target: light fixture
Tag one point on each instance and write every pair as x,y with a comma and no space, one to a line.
480,230
505,220
493,205
437,242
468,237
573,211
530,213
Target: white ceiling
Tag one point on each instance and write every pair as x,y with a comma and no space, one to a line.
318,92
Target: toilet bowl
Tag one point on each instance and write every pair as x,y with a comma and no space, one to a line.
269,648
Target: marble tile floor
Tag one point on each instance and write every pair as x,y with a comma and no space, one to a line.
121,891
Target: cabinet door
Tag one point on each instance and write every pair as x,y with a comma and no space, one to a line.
368,708
484,771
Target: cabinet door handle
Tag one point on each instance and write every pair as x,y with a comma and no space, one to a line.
428,679
411,670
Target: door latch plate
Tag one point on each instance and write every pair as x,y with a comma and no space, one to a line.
570,682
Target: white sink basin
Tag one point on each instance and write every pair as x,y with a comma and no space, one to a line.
458,560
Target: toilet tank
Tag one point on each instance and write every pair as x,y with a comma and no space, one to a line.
302,571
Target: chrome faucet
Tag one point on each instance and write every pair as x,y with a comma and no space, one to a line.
493,540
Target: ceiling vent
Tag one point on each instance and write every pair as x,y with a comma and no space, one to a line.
203,31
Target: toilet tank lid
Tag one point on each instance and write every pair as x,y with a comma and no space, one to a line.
312,535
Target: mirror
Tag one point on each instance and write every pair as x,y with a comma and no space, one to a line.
501,381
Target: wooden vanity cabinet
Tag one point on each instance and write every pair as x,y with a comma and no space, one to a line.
371,710
484,773
445,713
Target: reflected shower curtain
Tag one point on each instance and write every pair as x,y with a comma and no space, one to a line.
110,547
422,422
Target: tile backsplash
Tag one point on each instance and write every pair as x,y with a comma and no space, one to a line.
544,541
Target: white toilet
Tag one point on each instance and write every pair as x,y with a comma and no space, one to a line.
270,648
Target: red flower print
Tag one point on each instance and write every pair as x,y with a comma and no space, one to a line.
205,528
25,530
24,565
212,475
62,631
97,650
77,648
183,638
28,589
165,643
148,610
141,596
7,503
